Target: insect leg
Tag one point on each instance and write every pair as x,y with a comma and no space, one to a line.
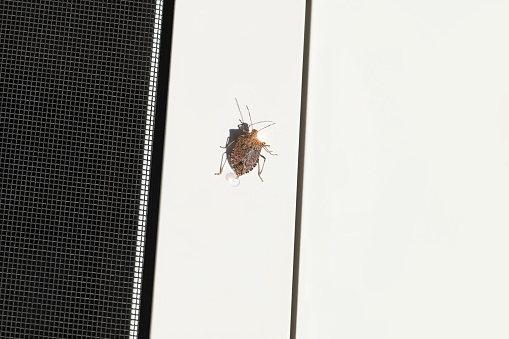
261,170
222,166
269,151
227,145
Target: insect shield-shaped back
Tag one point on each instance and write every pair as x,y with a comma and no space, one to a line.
246,153
243,150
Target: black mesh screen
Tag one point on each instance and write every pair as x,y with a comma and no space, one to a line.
76,116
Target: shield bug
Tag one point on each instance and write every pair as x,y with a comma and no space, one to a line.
243,149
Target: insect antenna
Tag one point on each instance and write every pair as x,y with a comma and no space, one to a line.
239,110
259,122
266,126
249,116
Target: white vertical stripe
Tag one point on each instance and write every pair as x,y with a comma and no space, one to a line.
149,130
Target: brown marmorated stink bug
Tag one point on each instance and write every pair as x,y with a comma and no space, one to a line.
243,148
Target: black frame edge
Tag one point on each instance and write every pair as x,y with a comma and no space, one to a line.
149,256
300,171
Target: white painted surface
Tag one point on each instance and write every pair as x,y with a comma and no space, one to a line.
406,219
224,256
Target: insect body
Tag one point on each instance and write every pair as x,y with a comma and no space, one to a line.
244,152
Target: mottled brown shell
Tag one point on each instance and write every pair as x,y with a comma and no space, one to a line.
246,152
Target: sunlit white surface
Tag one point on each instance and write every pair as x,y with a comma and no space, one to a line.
408,127
224,256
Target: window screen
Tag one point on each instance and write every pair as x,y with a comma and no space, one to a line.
77,107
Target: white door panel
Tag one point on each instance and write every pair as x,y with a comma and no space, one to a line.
225,254
406,186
